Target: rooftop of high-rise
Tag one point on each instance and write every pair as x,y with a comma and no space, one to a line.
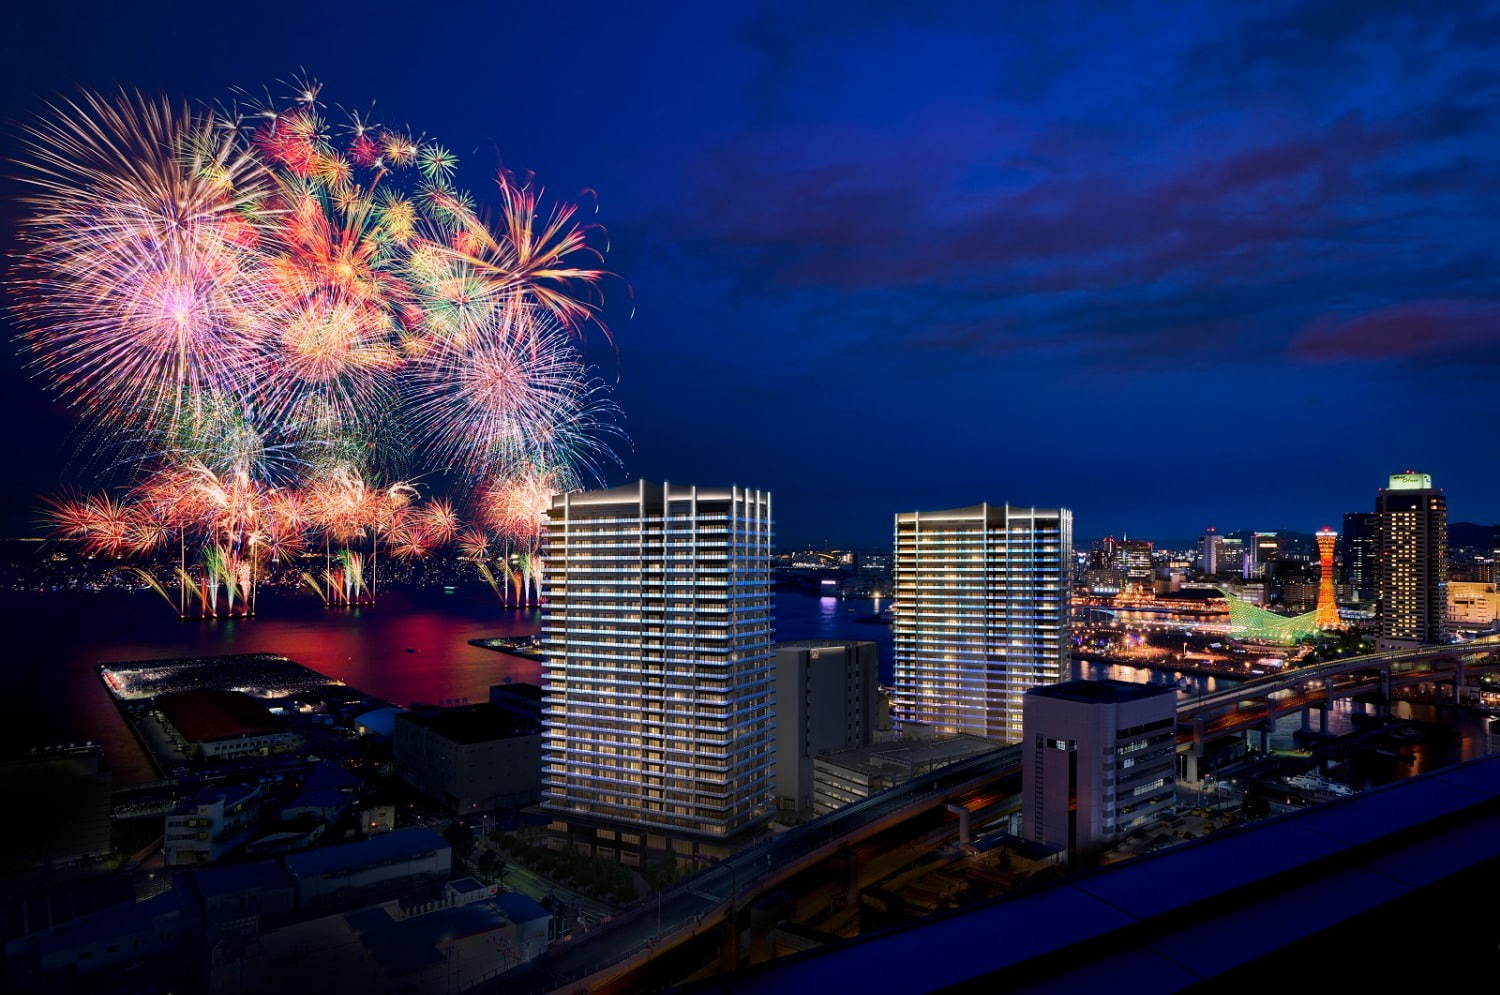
1100,692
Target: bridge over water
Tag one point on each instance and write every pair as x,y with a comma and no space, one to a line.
1257,704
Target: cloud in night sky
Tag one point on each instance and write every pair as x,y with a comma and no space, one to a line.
1138,259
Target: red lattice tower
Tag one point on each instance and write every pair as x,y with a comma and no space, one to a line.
1328,609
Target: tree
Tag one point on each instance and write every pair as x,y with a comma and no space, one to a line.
460,837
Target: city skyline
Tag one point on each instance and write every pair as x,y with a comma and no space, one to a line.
760,496
992,273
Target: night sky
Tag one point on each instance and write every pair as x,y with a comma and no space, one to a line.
1170,266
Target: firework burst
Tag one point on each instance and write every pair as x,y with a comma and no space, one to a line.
261,314
139,256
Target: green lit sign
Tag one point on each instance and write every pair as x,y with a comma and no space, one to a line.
1410,481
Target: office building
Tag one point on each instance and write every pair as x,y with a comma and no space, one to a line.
1302,596
1411,526
1473,606
1135,559
1105,582
981,614
1231,555
471,758
1360,555
1099,762
1495,557
658,680
1208,552
844,777
1261,552
827,696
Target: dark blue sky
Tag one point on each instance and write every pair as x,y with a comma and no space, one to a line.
1171,266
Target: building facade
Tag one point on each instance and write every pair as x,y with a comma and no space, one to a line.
1100,762
60,805
224,725
844,777
658,679
1411,527
1208,552
981,614
1473,606
472,758
210,824
827,696
371,870
1359,552
1136,560
1260,553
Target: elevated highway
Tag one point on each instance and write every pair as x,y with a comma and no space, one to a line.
612,955
1339,896
1257,704
714,906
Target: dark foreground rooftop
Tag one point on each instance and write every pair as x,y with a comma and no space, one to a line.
387,848
1100,692
468,724
1312,893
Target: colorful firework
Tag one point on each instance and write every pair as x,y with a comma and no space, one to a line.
260,314
140,252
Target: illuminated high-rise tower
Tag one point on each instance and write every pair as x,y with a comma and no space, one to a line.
658,676
1328,608
1361,555
981,614
1411,524
1208,551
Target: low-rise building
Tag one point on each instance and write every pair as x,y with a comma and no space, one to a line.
327,793
1299,595
224,724
1099,762
238,900
520,699
1472,605
378,723
846,776
462,937
116,937
58,803
827,698
370,870
210,824
377,817
472,758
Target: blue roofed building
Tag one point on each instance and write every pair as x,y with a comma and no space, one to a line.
327,793
370,870
464,937
112,938
239,900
